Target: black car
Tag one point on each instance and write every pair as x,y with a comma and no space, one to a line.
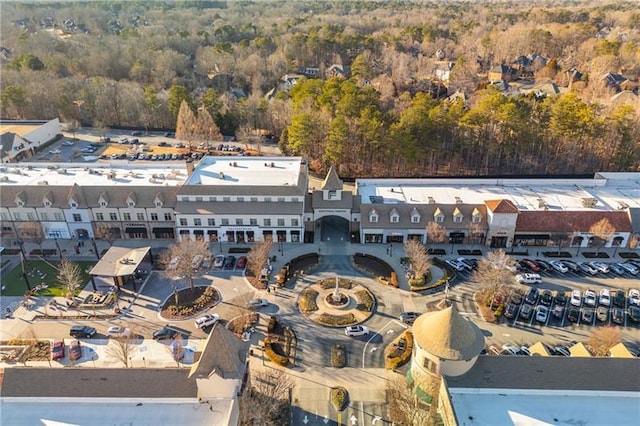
617,315
136,133
573,314
526,311
546,298
511,310
168,135
544,265
532,296
82,331
634,314
229,261
619,299
164,333
560,299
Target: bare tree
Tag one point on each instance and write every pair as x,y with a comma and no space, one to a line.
34,232
183,259
185,122
70,275
417,254
107,233
603,339
602,230
123,347
258,256
435,233
264,399
495,272
405,407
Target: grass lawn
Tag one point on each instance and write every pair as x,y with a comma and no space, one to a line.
15,285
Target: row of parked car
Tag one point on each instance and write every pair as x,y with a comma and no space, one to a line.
563,266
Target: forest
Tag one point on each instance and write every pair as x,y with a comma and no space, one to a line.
393,88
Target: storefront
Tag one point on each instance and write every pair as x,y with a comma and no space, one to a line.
456,238
135,231
372,238
163,233
540,240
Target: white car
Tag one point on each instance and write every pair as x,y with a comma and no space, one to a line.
207,320
458,266
576,298
558,266
55,151
356,330
590,298
67,143
529,278
629,267
218,261
257,303
587,269
605,297
600,267
509,349
118,331
542,313
634,297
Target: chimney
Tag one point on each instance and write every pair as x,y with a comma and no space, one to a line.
189,165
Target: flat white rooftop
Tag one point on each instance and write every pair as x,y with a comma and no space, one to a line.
509,407
610,193
116,174
247,171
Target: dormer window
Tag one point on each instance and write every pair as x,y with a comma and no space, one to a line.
457,215
73,204
20,203
394,217
158,203
47,203
438,216
415,216
373,216
131,200
103,203
476,217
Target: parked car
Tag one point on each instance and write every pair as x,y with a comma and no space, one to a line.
531,265
634,314
466,265
164,333
634,297
560,299
207,320
559,266
67,143
617,316
571,265
542,313
257,303
526,311
561,350
528,278
576,298
543,265
587,269
509,349
619,299
218,261
516,297
118,331
573,314
229,261
590,298
602,313
617,269
524,350
546,298
602,267
75,350
629,267
532,296
557,311
409,317
455,265
356,330
242,262
136,133
206,263
494,350
82,331
605,297
587,315
511,310
57,350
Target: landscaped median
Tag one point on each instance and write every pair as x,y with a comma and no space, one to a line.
398,353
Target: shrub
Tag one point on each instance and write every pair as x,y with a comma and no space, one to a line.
365,300
307,301
338,320
273,322
394,280
499,311
331,283
396,361
416,282
339,398
338,356
273,356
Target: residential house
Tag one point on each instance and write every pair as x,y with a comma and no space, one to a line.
337,70
502,72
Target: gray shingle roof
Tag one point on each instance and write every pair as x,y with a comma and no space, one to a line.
222,354
345,203
238,207
83,382
332,182
426,215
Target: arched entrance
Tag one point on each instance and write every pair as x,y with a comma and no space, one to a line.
333,229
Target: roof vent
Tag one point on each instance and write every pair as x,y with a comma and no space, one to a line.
111,175
62,171
589,202
458,200
542,204
235,164
431,200
43,182
622,205
4,178
221,175
273,164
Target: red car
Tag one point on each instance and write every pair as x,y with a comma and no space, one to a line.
75,350
242,262
57,350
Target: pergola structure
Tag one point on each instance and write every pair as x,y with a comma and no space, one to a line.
121,263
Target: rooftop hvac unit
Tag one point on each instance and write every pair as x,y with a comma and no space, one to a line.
431,200
458,200
221,175
589,202
4,178
111,175
43,182
62,171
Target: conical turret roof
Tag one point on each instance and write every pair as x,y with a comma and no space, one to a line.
332,182
447,335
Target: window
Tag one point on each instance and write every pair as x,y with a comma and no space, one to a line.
126,216
332,194
253,222
280,222
212,198
31,216
373,218
154,216
457,218
225,222
254,199
73,204
294,222
476,218
240,199
131,203
415,218
77,217
44,216
183,221
439,218
294,200
113,216
239,222
199,199
281,199
197,222
267,222
57,216
100,216
4,216
267,199
168,216
140,216
226,199
47,203
211,222
158,203
395,218
103,203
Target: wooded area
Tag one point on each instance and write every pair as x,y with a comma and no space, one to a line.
385,112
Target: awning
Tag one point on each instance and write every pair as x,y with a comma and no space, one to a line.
198,232
136,230
532,237
212,232
456,234
119,261
163,230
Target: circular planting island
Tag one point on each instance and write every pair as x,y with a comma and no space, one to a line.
190,302
347,304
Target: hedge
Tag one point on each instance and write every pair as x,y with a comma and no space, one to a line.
338,355
339,320
273,356
400,360
339,398
307,302
365,301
